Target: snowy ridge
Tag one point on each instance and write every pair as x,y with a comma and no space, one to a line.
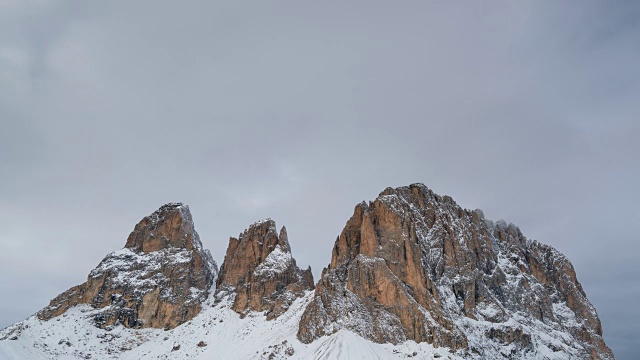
269,221
275,263
226,335
141,271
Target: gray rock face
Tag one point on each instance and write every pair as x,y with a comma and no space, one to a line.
413,265
260,271
158,280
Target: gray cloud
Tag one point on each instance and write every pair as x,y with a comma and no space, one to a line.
298,111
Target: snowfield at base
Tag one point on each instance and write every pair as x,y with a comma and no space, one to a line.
226,335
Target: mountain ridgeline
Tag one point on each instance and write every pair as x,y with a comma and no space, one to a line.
411,271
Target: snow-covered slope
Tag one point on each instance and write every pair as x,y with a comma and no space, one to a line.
218,332
224,335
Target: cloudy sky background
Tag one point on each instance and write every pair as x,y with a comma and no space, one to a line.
299,110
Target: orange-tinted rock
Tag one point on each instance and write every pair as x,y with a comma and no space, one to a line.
413,265
261,272
158,280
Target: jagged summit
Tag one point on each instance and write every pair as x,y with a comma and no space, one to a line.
412,275
268,221
169,226
159,279
413,265
261,272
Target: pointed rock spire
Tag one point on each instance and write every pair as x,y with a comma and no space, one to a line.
260,270
284,240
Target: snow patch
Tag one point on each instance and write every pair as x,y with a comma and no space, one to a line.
275,263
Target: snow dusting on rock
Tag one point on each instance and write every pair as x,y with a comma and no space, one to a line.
412,275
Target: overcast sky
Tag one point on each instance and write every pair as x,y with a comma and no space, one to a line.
299,110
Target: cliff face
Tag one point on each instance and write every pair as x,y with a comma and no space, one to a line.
410,268
260,271
413,265
159,279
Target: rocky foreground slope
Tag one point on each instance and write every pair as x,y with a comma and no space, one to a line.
412,275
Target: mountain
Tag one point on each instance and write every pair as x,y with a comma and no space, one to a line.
260,273
413,265
159,279
412,275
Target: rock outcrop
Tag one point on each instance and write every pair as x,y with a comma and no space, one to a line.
413,265
409,266
159,279
261,273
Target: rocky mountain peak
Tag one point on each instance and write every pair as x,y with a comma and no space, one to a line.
411,268
284,239
171,226
413,265
260,271
159,279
